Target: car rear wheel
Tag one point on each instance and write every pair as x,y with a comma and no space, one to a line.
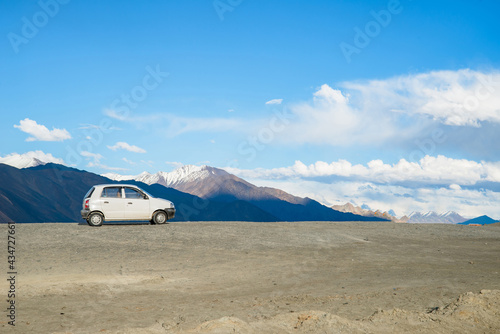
160,217
95,219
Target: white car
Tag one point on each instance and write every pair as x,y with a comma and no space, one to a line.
121,202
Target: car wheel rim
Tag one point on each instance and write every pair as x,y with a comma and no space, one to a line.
96,220
160,218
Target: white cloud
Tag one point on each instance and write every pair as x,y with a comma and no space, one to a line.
40,132
275,101
149,163
173,125
96,161
331,95
428,171
116,115
128,161
104,128
99,165
96,157
396,109
174,164
124,146
180,125
459,98
332,118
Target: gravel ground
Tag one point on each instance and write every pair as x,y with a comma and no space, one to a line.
244,277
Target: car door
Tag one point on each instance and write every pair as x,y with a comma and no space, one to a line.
113,203
137,204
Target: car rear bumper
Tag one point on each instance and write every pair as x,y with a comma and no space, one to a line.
85,214
170,213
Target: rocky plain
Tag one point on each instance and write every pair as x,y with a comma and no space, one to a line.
244,277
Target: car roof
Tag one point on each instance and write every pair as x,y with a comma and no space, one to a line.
115,185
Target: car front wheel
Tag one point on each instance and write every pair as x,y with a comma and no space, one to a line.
160,217
95,219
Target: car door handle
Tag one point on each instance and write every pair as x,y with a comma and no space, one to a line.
130,203
106,202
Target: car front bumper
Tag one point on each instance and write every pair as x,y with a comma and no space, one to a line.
170,213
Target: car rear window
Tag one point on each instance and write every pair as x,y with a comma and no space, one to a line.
90,192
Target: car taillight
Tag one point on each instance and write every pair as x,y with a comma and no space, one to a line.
87,203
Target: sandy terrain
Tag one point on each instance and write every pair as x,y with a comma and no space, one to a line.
225,277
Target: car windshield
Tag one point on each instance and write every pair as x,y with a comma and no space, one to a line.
146,193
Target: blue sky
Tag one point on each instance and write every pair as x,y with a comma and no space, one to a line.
265,88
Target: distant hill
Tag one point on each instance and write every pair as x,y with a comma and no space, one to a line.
482,220
47,192
54,193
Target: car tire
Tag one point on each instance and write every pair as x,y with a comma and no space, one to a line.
95,219
159,217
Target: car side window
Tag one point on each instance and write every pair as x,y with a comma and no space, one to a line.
112,192
132,193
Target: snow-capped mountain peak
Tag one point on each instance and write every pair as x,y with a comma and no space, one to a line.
21,161
450,217
29,159
414,214
184,174
449,214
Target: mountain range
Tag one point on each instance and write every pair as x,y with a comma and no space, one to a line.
450,217
53,193
220,188
216,184
365,211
